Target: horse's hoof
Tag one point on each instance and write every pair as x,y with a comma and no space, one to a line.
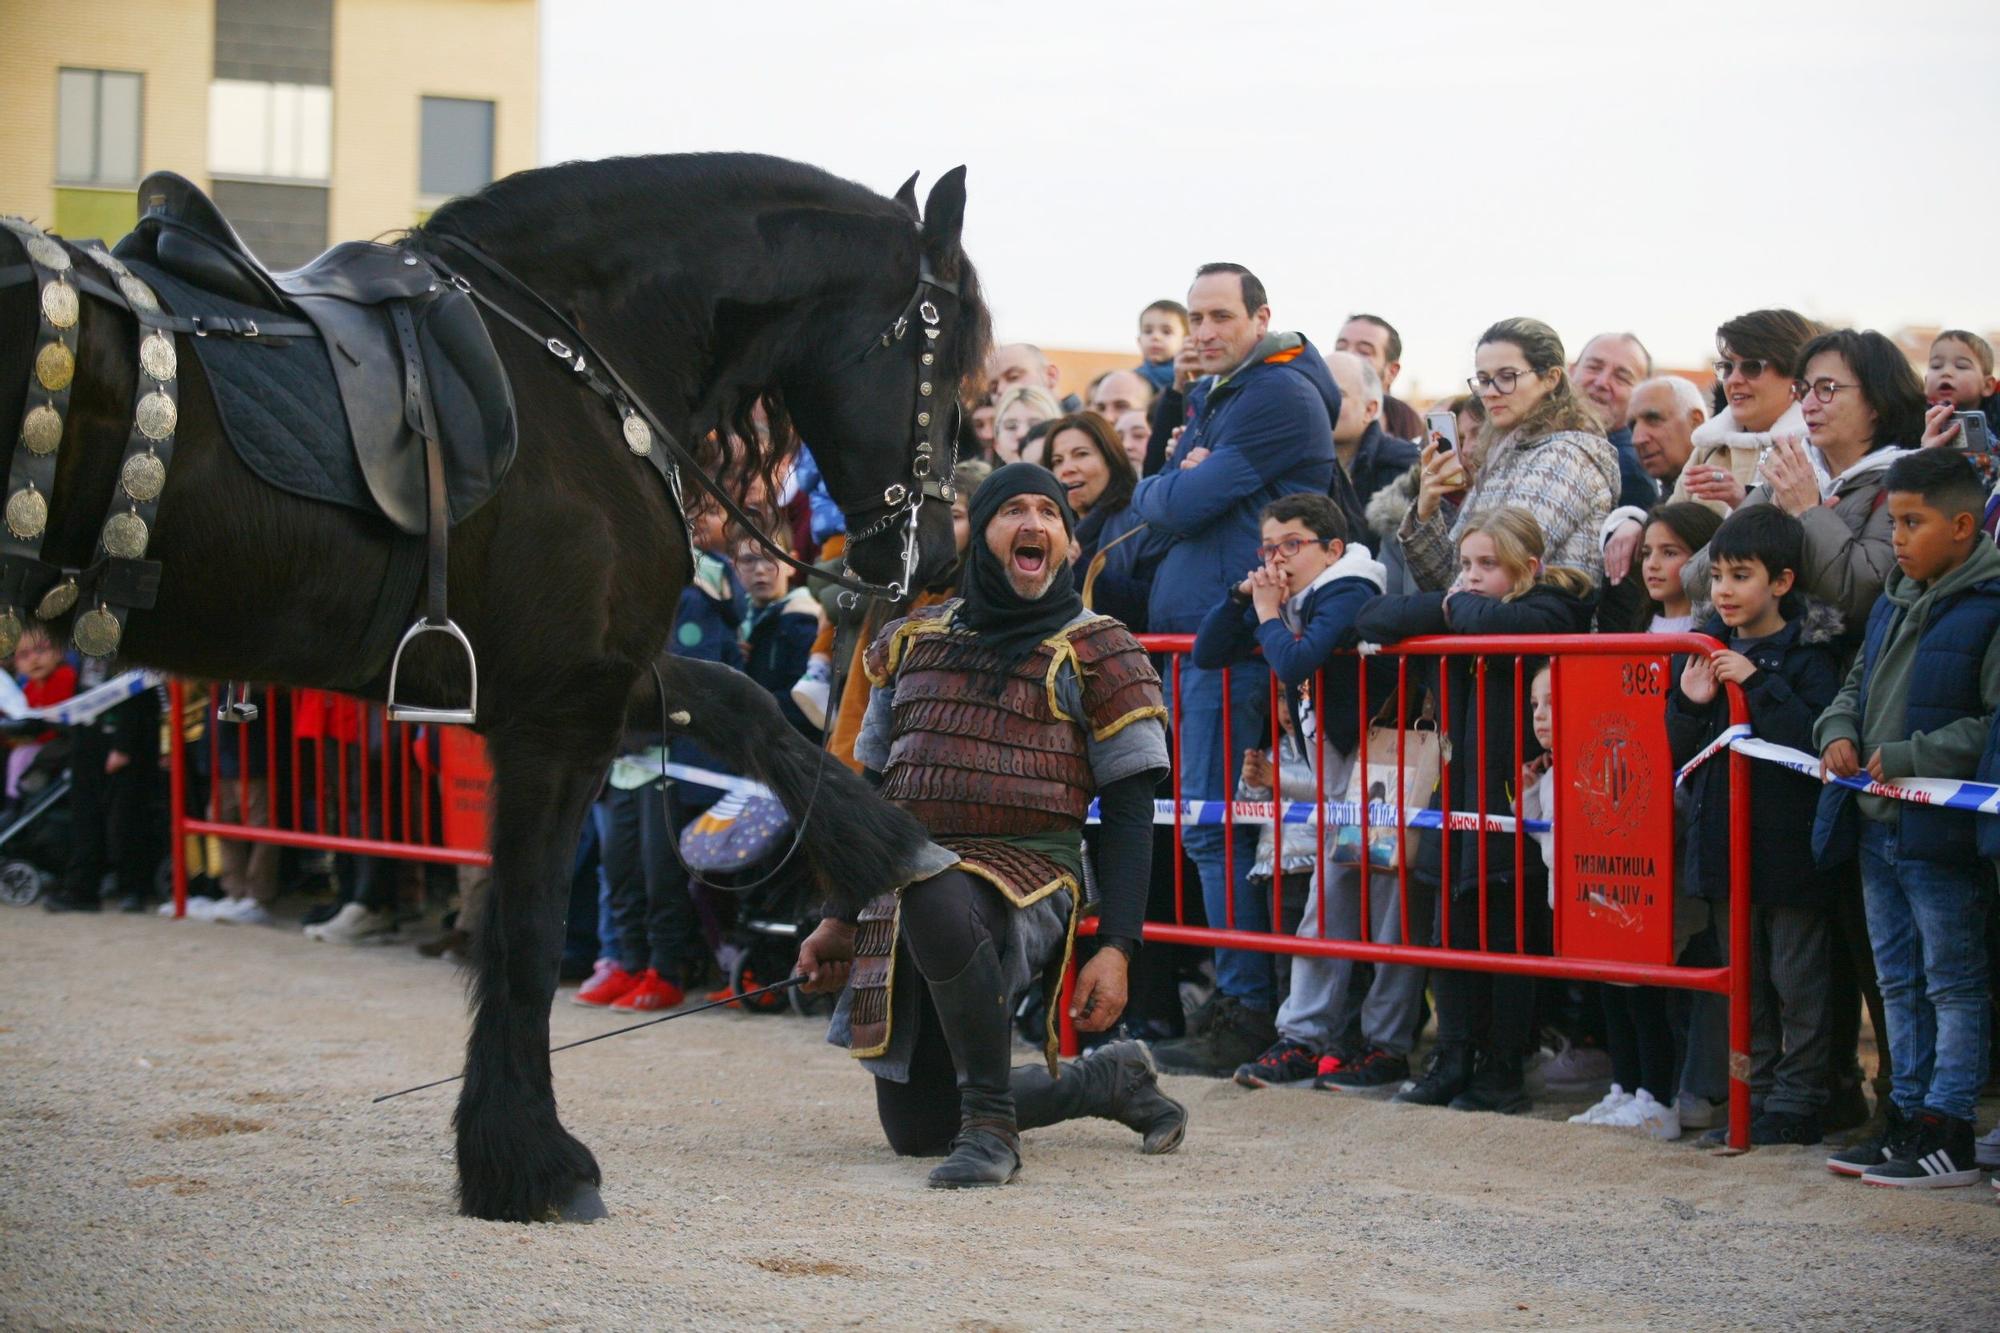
585,1204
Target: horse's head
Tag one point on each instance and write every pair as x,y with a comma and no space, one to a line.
878,399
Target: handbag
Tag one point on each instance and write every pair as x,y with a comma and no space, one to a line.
735,833
1424,752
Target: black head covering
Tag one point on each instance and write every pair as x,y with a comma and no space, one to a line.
1008,624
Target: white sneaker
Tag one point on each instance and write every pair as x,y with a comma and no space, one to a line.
1986,1151
1565,1067
198,908
1699,1112
1613,1101
240,912
812,693
1641,1112
353,924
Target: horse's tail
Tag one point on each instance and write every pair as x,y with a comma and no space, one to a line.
854,840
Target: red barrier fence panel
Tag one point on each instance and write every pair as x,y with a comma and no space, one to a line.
354,782
1612,822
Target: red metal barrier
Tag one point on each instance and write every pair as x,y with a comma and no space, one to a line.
336,747
1624,805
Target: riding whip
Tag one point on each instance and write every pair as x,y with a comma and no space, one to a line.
775,986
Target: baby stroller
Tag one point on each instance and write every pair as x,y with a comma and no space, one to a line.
734,846
35,830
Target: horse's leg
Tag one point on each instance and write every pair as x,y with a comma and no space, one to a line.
516,1162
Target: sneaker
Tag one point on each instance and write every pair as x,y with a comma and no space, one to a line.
352,924
1938,1154
1374,1068
1642,1112
1222,1035
1699,1112
650,993
610,982
1778,1127
1567,1067
1986,1150
1876,1148
814,690
198,909
1286,1062
240,912
1611,1102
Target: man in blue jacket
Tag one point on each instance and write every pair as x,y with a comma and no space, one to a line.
1259,425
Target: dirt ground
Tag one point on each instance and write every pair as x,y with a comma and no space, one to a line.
186,1139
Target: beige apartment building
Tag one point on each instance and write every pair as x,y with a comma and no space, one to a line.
310,121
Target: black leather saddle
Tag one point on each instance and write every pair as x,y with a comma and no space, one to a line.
403,348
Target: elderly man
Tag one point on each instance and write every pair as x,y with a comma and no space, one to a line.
1370,456
1605,373
1259,425
1664,412
1118,392
1375,340
1012,364
996,718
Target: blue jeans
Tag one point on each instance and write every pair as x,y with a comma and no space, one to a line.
1209,773
1927,922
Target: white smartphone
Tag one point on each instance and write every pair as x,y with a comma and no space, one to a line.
1443,423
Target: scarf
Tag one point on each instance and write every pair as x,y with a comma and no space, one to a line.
1009,625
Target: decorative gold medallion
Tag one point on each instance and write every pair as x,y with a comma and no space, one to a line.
125,536
57,600
137,294
96,633
156,416
45,251
144,476
41,430
27,513
10,632
55,367
59,304
156,357
638,435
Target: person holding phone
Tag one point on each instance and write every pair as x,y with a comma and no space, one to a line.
1755,356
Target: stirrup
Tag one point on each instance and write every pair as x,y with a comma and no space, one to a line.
236,705
444,716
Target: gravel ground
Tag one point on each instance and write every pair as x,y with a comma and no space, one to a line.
186,1140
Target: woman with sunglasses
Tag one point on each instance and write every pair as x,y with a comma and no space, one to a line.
1755,356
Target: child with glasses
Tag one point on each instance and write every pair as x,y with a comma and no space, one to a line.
779,631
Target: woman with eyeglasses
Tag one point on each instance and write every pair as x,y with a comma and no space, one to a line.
1540,449
1755,356
1862,406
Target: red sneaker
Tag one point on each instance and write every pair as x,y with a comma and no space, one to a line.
650,993
606,989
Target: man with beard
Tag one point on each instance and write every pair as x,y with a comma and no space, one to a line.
994,719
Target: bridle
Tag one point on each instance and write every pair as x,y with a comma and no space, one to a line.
901,503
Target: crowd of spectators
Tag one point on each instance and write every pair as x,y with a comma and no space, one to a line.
1823,510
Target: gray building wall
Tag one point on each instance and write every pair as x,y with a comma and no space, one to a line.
274,41
284,224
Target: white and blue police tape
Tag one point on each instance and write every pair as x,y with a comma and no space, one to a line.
78,708
1979,798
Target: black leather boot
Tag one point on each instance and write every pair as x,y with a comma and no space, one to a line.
1496,1086
1117,1081
1450,1070
972,1009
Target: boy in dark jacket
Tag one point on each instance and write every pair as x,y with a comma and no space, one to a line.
1918,702
1778,655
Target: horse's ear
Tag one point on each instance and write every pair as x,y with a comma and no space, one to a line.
944,212
907,196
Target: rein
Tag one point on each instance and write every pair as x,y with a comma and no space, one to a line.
642,426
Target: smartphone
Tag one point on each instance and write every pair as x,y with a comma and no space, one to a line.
1444,425
1974,434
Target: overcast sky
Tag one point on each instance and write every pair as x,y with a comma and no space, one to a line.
1657,167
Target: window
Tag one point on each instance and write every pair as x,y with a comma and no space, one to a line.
457,146
270,131
97,127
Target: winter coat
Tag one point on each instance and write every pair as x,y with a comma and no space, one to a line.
1567,479
1268,427
777,643
1720,442
1379,460
1296,782
1989,772
1385,515
1302,640
1543,609
1923,691
1116,561
1636,487
1848,555
1797,676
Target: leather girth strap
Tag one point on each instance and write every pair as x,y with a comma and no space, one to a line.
418,414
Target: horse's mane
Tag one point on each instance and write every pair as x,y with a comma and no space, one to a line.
698,200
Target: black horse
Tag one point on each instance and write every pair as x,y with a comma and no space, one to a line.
712,283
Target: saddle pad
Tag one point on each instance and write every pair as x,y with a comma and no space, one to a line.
281,408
